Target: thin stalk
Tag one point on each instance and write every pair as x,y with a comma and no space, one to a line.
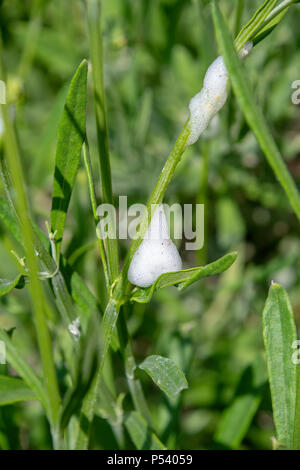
134,385
87,163
37,295
202,197
126,347
95,39
90,401
120,290
159,191
252,112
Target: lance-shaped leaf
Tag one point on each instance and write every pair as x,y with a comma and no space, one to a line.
140,433
255,22
6,285
13,390
165,374
71,135
254,117
279,332
183,278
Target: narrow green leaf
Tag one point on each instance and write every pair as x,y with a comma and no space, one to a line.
9,219
75,285
13,390
279,332
6,285
24,370
254,117
90,401
236,419
255,22
184,278
272,20
165,374
140,433
87,365
94,16
71,135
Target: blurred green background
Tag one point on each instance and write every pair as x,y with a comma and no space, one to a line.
156,53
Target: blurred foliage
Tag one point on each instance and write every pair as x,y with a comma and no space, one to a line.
155,55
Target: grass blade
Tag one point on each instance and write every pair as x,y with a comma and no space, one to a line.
93,8
140,433
14,164
13,390
254,117
87,363
254,23
71,135
23,369
279,332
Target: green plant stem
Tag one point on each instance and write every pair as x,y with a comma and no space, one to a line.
202,196
134,385
125,340
118,294
14,164
95,38
159,191
87,163
90,401
252,112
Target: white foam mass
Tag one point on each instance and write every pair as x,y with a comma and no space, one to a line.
156,255
206,104
246,49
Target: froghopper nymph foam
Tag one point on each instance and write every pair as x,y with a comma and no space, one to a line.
156,255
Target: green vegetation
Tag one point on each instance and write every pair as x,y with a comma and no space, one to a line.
96,93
